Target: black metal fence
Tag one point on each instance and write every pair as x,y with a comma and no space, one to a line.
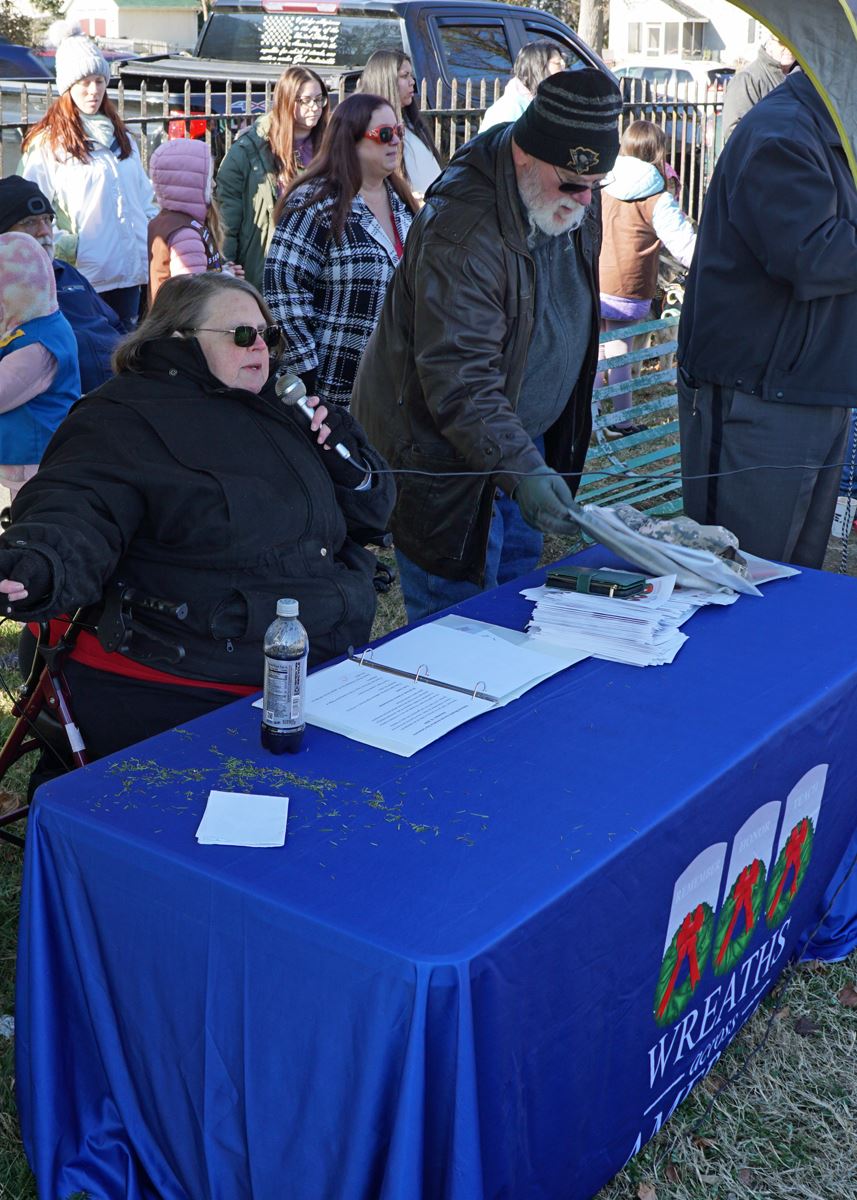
218,112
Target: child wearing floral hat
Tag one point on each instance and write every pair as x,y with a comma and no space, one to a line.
39,375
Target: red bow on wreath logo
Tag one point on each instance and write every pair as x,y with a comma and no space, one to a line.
794,858
744,885
685,949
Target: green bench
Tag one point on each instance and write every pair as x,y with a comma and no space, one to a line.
649,455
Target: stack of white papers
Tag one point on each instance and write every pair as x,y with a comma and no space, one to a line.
643,631
235,819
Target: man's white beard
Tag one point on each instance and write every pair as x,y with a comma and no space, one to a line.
547,213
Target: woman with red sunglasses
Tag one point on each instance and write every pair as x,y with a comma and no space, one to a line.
340,234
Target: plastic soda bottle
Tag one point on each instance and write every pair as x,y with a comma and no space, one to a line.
286,648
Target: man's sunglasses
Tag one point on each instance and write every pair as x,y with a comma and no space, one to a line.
574,189
245,335
385,133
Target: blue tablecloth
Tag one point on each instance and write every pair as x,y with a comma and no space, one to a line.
491,970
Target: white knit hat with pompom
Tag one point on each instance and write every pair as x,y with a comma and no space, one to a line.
76,58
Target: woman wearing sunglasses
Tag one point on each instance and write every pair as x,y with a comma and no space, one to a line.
340,234
262,163
186,477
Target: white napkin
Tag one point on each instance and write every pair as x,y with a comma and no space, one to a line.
239,819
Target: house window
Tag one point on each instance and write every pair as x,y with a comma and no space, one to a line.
653,39
671,37
691,39
100,24
635,38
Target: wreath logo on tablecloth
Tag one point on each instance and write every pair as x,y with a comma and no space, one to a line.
739,917
690,946
789,870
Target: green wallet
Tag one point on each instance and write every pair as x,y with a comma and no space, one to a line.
619,585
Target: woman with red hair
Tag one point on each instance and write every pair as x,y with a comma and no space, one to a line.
82,157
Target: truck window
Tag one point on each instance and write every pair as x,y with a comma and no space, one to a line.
319,39
475,50
537,33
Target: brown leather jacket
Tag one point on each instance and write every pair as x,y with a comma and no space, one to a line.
439,381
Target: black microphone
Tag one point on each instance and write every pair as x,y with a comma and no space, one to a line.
291,390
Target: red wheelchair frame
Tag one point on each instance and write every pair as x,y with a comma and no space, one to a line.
45,700
44,694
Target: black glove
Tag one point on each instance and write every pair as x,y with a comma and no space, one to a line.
545,502
345,472
29,568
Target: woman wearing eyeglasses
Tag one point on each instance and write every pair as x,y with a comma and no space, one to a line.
340,234
187,478
264,161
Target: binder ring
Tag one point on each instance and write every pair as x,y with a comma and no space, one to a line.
479,687
366,653
421,670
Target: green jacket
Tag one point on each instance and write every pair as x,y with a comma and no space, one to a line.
246,192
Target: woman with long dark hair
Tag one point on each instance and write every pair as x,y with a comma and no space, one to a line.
340,234
389,73
82,157
264,162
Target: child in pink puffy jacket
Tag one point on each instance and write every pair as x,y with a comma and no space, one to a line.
184,238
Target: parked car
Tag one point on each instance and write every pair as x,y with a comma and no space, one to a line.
21,64
687,79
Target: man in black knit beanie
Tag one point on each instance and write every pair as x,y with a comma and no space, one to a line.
477,383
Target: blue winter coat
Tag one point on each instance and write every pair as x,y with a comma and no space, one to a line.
95,325
26,431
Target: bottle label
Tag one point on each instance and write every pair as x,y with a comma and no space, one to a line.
283,704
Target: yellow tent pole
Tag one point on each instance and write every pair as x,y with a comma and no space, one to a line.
767,20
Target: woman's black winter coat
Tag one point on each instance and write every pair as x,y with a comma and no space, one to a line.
192,491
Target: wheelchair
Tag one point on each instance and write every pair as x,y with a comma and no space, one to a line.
43,709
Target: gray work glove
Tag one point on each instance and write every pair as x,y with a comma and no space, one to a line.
544,499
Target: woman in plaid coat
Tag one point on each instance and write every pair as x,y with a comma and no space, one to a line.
340,234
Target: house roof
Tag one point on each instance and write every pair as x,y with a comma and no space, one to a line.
685,10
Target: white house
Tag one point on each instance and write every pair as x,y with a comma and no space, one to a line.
702,29
171,21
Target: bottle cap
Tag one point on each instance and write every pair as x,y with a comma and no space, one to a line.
287,608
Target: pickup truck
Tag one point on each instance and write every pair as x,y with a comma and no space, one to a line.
446,40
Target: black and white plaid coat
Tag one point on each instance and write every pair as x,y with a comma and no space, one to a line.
327,294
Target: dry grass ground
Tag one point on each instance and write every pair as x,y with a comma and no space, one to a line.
776,1123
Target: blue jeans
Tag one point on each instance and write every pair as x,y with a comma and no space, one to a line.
514,548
